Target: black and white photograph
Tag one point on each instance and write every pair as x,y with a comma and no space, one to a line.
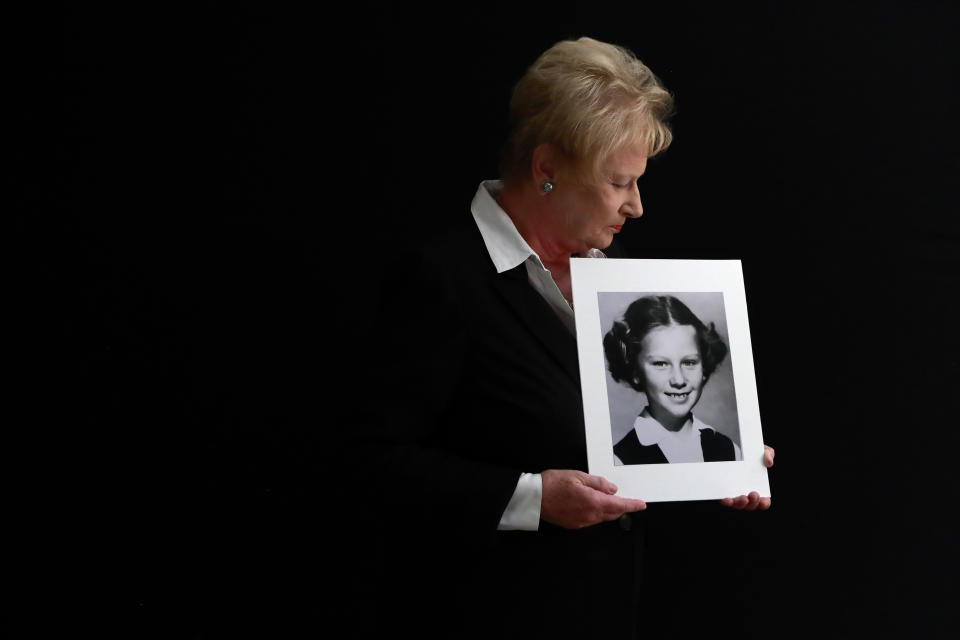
662,349
666,364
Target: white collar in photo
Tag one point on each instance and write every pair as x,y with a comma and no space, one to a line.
649,431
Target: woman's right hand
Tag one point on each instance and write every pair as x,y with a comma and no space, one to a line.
574,499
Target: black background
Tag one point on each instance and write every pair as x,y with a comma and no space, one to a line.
215,192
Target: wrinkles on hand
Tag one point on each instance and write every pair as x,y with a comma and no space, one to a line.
574,499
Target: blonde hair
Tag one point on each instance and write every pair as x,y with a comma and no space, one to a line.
589,99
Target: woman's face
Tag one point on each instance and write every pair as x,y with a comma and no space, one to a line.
588,216
671,363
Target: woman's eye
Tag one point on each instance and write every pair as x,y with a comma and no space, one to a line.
691,363
659,363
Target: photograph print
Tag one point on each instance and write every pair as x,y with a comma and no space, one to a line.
670,386
666,368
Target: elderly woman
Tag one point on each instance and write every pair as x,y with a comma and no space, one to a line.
479,443
663,350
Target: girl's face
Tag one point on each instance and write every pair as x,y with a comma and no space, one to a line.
673,368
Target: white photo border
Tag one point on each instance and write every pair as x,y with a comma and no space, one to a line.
678,481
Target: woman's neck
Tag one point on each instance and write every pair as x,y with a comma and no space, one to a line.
524,206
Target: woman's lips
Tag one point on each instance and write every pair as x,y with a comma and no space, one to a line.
616,227
677,397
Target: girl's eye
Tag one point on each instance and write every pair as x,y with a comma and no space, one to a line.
691,363
659,363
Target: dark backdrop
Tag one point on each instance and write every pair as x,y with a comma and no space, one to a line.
229,186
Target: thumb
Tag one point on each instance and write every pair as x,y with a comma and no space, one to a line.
599,483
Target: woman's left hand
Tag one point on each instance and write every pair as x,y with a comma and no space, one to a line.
752,501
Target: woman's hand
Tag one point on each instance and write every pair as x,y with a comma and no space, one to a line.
752,501
574,499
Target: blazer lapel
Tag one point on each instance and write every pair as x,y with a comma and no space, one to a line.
537,316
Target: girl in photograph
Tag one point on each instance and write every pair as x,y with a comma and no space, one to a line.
662,349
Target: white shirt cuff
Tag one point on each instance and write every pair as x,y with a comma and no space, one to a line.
523,510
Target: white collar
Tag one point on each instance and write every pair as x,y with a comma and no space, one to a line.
506,246
649,431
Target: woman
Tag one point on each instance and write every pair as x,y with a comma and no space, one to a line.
477,438
662,349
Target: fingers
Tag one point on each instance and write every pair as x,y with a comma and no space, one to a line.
768,454
619,506
599,483
612,507
609,508
737,503
750,502
609,505
573,499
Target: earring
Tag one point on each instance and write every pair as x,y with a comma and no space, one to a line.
547,186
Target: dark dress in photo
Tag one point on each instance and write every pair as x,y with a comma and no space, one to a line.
714,446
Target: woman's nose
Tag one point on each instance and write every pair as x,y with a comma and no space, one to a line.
633,207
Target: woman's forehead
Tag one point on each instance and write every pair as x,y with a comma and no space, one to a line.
628,161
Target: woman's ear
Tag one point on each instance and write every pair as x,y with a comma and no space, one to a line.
545,163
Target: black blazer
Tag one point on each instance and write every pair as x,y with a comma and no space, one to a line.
480,383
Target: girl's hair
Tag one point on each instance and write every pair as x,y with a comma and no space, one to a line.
623,342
